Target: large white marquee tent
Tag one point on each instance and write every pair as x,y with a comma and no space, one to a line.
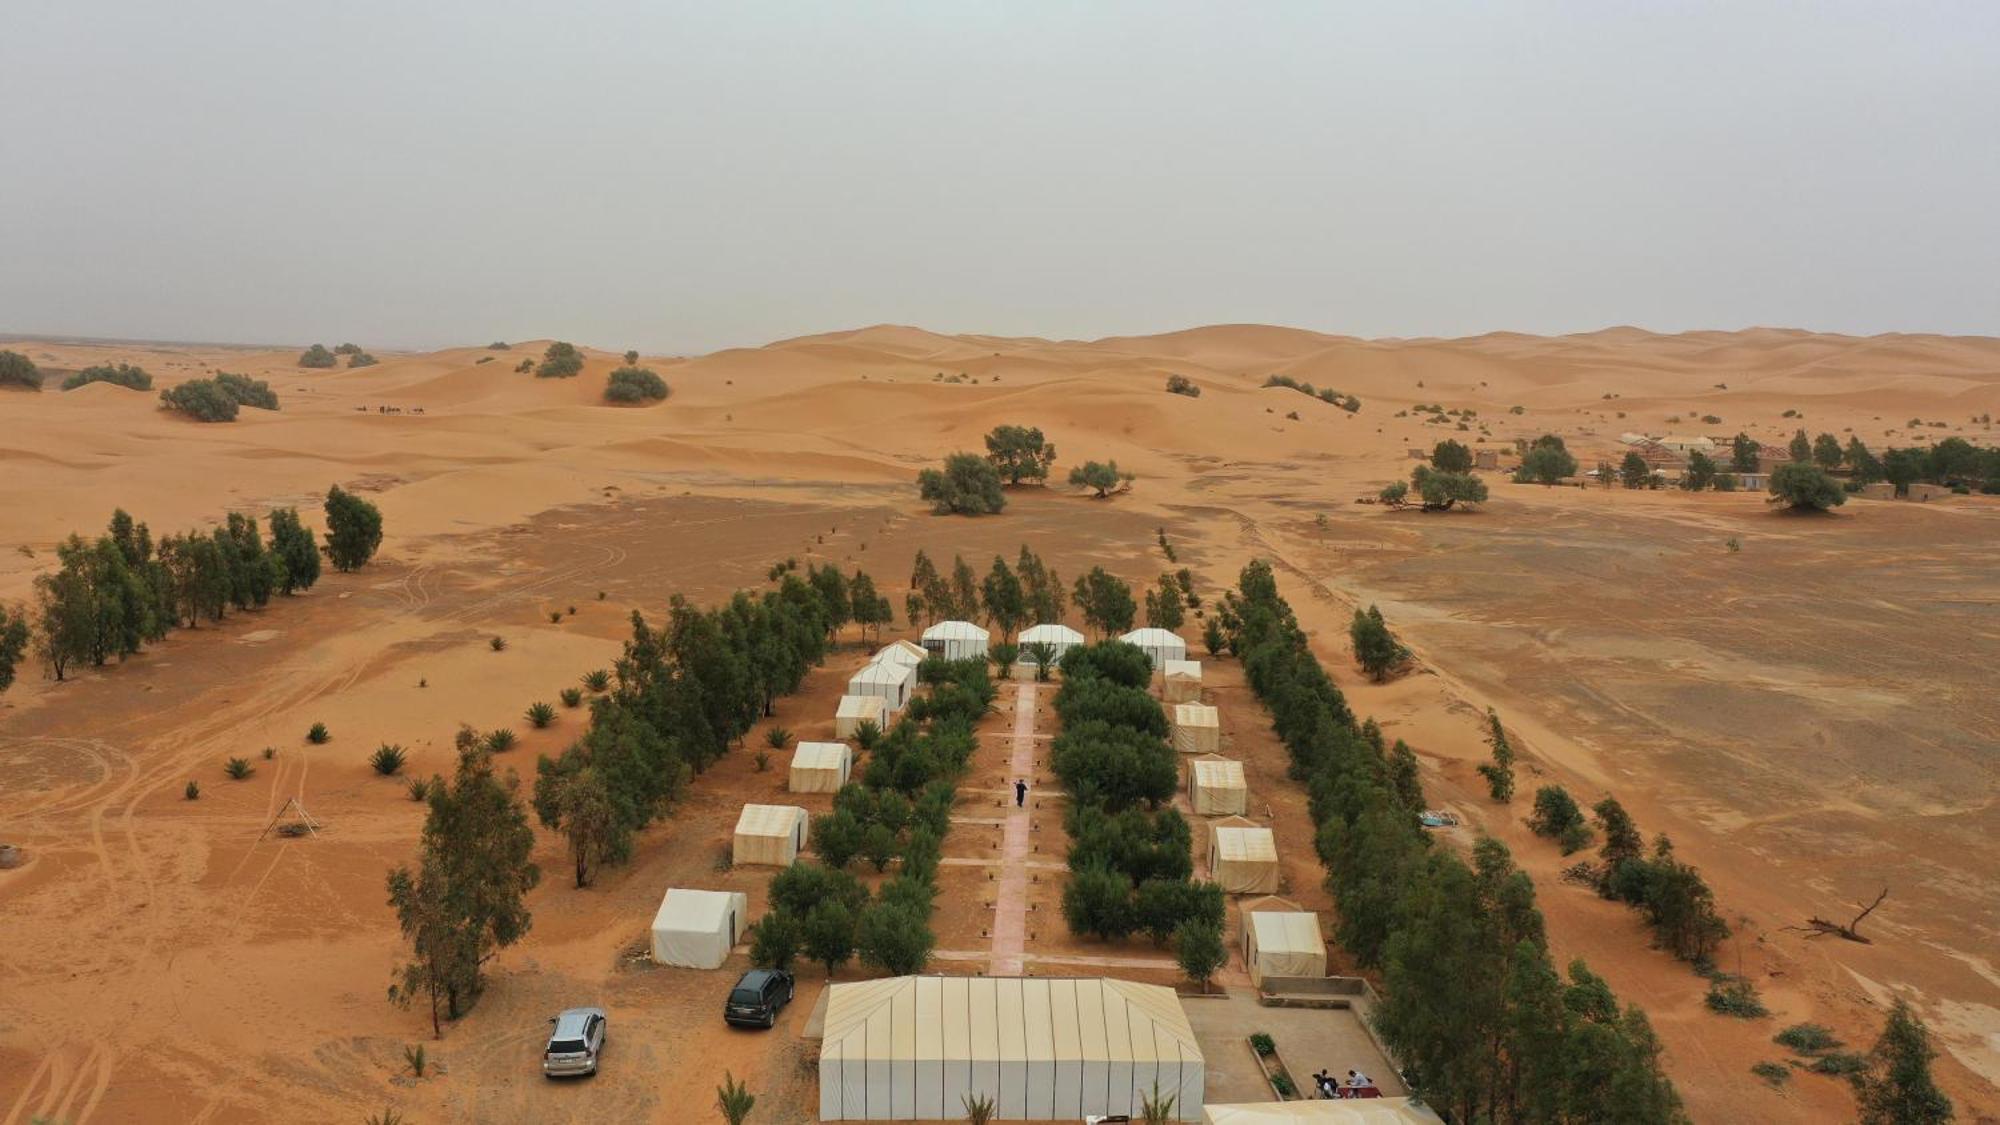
956,640
909,1048
697,929
1060,638
1160,645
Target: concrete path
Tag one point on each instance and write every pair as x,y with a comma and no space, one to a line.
1010,903
1060,959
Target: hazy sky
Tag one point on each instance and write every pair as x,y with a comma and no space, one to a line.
683,177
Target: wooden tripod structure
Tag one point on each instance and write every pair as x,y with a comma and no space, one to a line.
305,818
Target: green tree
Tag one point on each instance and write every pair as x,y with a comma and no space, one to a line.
1106,602
1806,487
204,400
353,529
1826,452
870,609
1006,603
294,548
1019,453
1634,471
17,370
1100,476
1404,777
1897,1088
247,391
634,384
967,485
318,356
828,935
774,941
964,590
894,937
1499,773
1098,902
14,633
1441,491
1546,462
1701,472
1865,467
1800,446
1199,951
1744,453
560,361
1902,468
467,897
1040,586
1375,648
1451,457
576,803
1165,606
1395,493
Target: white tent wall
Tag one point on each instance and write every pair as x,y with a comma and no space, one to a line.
853,710
696,929
1216,787
820,767
1061,638
1159,645
1181,682
770,835
957,640
891,681
1196,728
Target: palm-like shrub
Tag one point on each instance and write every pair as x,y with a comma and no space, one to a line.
540,715
388,759
597,679
497,644
193,791
777,738
238,768
500,741
571,697
419,788
318,734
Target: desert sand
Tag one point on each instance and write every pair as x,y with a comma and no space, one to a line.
1811,717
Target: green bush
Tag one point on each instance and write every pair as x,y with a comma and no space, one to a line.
193,791
361,359
540,715
777,738
1807,1038
419,789
388,759
571,697
353,529
635,384
497,644
1263,1044
247,391
318,356
500,741
1182,385
204,400
123,374
968,484
17,370
317,735
1735,996
1839,1064
561,361
1777,1074
597,680
238,768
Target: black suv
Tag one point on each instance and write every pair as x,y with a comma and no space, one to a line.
755,1000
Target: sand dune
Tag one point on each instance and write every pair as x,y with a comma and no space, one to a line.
1629,650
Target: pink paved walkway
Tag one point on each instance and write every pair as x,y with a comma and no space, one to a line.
1010,904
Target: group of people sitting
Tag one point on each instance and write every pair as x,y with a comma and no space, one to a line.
1354,1086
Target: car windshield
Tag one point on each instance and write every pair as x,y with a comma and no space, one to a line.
565,1046
746,996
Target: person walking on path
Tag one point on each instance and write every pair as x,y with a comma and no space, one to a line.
1020,793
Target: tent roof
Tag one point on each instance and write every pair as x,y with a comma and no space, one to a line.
820,755
955,631
884,672
1050,634
1244,845
1153,638
1371,1111
899,652
1286,931
1182,668
699,912
936,1018
859,706
1196,715
768,820
1218,773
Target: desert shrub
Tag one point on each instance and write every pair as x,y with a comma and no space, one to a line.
419,789
204,400
500,741
123,374
555,617
1101,477
968,484
761,760
360,359
317,734
317,356
597,680
777,738
497,644
635,384
238,768
560,361
1777,1074
524,367
193,791
1182,385
17,370
1840,1064
388,759
571,697
499,346
247,391
867,733
1734,996
1557,817
540,715
353,529
270,752
1807,1038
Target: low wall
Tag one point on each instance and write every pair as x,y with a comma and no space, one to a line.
1314,992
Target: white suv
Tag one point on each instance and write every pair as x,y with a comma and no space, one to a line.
575,1043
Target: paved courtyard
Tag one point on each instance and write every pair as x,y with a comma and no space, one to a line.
1309,1039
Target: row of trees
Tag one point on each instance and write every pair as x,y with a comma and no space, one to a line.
318,356
1131,862
110,597
900,807
1951,462
1473,1007
1010,598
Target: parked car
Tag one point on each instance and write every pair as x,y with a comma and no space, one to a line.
756,999
575,1042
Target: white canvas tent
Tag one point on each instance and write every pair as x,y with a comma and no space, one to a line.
899,652
1160,646
1371,1111
1216,787
1197,728
910,1048
696,929
956,640
1061,638
857,709
888,679
1181,681
769,834
1282,943
1242,857
820,767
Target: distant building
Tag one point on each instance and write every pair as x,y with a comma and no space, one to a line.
1687,443
1921,492
1769,457
1633,437
1659,457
